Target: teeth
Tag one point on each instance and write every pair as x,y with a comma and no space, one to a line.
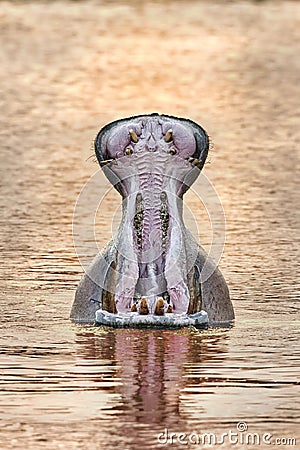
169,309
163,197
133,135
134,308
144,310
128,151
172,151
159,307
139,197
195,162
168,136
107,161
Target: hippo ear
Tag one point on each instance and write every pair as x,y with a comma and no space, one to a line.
101,154
202,145
101,140
97,146
201,138
201,152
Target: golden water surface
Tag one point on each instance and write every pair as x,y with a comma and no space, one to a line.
68,68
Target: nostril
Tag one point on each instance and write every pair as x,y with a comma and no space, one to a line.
151,149
151,144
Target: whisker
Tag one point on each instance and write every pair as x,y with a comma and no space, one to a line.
93,157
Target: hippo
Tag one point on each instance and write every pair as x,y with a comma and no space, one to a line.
153,273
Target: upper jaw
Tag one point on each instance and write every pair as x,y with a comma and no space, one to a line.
152,133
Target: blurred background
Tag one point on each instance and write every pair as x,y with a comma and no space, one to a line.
66,69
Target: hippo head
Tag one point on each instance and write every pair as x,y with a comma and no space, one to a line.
153,266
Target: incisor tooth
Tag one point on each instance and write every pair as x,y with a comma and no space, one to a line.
143,310
159,307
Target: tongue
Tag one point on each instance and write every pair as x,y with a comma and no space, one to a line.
152,259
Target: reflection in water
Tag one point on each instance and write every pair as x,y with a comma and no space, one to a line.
153,368
74,388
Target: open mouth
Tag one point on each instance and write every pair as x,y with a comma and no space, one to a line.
154,271
151,159
150,274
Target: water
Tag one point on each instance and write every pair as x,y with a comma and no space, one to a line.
65,70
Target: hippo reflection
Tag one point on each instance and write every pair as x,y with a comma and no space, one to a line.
153,377
153,271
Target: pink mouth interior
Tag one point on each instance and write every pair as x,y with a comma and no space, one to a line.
150,160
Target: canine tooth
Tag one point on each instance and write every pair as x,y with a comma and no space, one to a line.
133,135
159,307
169,309
134,308
108,296
144,310
168,136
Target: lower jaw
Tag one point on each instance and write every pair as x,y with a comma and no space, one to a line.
135,320
167,291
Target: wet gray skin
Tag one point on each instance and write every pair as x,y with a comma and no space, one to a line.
153,266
